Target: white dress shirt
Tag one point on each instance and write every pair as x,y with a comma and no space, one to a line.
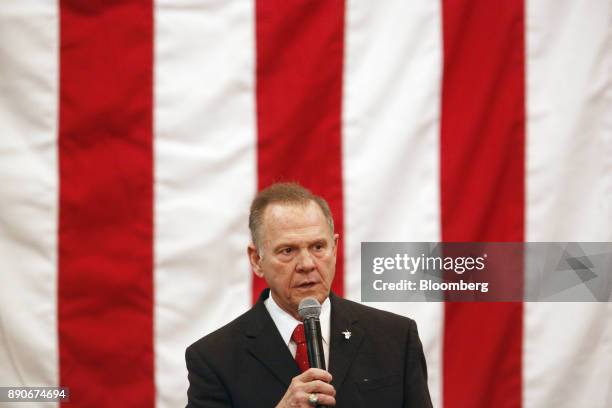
285,323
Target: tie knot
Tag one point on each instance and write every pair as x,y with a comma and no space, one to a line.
298,334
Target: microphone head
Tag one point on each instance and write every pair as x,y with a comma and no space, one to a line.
309,307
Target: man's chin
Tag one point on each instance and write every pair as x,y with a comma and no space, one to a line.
317,291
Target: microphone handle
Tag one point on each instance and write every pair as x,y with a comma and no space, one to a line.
314,344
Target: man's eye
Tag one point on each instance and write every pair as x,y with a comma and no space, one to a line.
287,251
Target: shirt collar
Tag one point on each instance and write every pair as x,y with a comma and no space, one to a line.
285,323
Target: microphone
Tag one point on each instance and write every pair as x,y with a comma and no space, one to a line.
309,310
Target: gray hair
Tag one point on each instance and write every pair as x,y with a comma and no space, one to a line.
283,193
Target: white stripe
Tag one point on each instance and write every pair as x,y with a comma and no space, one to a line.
204,176
568,347
393,64
28,193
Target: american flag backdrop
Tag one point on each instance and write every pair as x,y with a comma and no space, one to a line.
134,133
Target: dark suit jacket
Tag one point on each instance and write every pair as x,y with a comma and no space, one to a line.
246,364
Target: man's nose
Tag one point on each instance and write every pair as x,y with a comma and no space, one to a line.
305,262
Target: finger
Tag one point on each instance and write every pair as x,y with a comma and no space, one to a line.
315,374
322,399
319,386
327,400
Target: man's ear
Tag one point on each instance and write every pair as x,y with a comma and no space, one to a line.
255,260
336,238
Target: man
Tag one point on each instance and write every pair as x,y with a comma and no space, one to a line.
374,358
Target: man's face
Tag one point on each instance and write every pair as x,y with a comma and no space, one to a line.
298,254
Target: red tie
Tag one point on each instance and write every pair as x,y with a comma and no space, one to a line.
301,355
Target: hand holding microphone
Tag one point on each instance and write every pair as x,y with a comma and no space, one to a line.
312,382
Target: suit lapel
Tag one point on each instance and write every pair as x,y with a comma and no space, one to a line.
264,342
342,350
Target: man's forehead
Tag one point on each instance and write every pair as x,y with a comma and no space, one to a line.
290,214
286,221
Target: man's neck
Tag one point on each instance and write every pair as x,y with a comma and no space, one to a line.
292,313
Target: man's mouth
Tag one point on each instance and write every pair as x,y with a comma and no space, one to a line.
306,285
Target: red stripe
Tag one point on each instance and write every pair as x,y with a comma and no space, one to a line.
299,92
482,189
106,203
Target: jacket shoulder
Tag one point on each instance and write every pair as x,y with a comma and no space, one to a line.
368,313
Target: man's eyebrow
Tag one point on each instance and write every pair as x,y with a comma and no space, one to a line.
283,244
